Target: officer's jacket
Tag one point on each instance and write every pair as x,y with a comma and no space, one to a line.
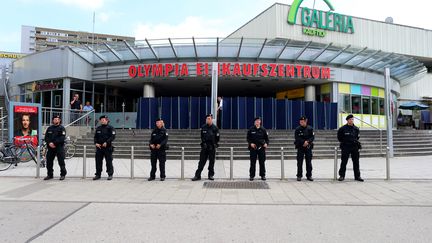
258,136
104,134
302,134
348,135
159,136
209,134
55,134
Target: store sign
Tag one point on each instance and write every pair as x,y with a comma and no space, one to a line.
228,69
10,55
317,22
44,86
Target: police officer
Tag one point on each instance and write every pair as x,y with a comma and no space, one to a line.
103,138
348,136
157,144
209,143
54,138
257,138
304,137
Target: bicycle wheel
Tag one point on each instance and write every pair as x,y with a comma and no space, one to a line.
3,165
32,152
25,155
69,151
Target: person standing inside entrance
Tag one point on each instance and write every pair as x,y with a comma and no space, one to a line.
257,138
158,144
76,107
348,136
103,138
219,111
54,137
209,142
87,108
304,137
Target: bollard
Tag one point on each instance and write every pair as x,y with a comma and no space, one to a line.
387,163
282,164
335,163
84,176
38,161
182,164
231,163
132,176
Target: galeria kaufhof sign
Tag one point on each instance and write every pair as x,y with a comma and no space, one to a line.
317,22
228,69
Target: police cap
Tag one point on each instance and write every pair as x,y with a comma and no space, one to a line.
349,117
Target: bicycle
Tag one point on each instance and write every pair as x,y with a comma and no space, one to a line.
69,148
11,154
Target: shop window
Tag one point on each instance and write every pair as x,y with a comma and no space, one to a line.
325,98
366,105
346,103
375,106
356,104
381,106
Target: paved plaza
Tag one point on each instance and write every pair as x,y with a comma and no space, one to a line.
134,210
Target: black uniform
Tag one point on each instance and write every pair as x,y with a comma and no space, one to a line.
301,135
209,143
259,137
56,135
104,134
158,136
348,137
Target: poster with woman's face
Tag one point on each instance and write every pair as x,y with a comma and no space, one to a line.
25,124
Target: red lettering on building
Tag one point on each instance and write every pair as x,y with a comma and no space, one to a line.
325,73
273,70
132,71
315,72
264,70
199,69
306,72
226,69
237,71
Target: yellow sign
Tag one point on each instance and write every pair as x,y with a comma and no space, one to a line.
290,94
10,55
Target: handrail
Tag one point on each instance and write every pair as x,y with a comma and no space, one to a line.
379,129
80,118
2,118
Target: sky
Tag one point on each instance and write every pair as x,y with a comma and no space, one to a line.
183,18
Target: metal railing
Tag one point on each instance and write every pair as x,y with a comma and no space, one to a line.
376,128
69,117
2,121
231,164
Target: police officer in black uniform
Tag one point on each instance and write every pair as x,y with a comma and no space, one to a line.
209,143
103,138
348,136
157,144
304,137
257,138
54,138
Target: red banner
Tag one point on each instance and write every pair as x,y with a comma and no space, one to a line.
25,109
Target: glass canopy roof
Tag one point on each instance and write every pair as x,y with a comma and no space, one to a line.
250,49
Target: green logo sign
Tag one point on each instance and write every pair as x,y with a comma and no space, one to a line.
317,22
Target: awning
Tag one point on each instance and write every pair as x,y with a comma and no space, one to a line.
413,106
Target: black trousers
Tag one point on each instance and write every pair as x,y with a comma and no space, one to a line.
100,155
51,154
261,154
355,156
301,154
155,155
206,153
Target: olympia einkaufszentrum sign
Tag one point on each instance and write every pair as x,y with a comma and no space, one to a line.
317,22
